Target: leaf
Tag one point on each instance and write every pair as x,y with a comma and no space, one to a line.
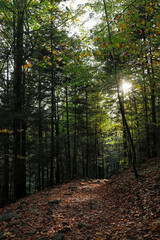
151,9
67,9
29,65
122,26
25,66
6,131
98,233
89,54
99,52
82,55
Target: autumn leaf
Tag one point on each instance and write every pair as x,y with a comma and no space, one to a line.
25,66
82,55
151,9
99,52
6,131
89,54
29,65
122,26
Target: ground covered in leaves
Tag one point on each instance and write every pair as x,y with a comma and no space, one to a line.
119,208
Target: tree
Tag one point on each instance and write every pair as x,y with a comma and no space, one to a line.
18,121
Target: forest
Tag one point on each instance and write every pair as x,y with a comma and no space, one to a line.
76,104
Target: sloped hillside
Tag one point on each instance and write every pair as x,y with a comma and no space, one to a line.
118,208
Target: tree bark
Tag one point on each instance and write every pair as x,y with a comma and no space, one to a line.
153,104
87,137
75,135
39,134
53,107
148,155
150,71
6,152
58,163
68,138
19,159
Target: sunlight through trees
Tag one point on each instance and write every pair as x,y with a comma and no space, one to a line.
79,90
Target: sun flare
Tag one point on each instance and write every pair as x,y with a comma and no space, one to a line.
126,87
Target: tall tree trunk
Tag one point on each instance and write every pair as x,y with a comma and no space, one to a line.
146,124
68,137
87,137
125,147
103,161
96,151
120,98
24,125
52,131
137,127
150,72
6,152
148,155
53,107
40,169
75,134
58,163
19,161
153,105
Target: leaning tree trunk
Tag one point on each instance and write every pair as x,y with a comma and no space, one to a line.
120,98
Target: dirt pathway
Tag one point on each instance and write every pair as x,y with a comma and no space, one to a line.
120,208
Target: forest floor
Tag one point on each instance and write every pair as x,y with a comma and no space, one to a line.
119,208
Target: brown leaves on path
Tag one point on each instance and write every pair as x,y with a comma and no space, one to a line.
120,208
